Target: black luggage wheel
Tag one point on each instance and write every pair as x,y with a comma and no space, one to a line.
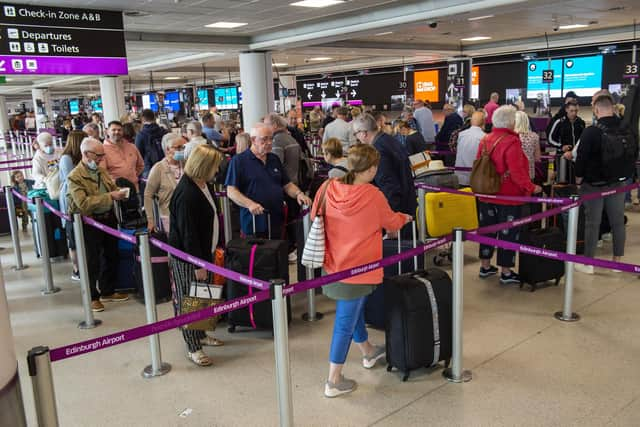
389,368
405,377
231,329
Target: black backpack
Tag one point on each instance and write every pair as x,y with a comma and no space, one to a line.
619,152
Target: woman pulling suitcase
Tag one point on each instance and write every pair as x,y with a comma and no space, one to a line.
355,212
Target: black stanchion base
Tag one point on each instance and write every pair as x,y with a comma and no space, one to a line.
560,316
15,268
53,290
464,378
148,372
85,325
317,317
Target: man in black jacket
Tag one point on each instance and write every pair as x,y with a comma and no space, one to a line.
452,121
568,97
596,176
149,141
567,130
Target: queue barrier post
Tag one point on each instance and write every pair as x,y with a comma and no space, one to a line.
422,221
13,225
455,373
567,315
44,395
226,219
312,315
157,367
89,321
43,243
281,348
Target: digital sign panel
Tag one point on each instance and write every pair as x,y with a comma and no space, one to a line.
96,105
582,75
535,85
226,98
425,85
56,40
74,106
203,99
172,101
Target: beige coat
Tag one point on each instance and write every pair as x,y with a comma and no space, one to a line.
83,194
161,183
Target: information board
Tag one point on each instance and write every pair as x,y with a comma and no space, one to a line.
425,85
582,75
57,40
536,86
226,98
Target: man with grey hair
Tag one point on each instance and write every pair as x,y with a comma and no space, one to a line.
257,182
194,135
91,192
284,145
339,128
490,107
394,176
92,130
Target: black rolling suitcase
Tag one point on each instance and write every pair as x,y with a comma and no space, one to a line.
533,269
419,325
5,228
270,261
561,221
159,269
56,236
374,310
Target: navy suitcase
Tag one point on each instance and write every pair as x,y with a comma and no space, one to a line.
533,269
419,325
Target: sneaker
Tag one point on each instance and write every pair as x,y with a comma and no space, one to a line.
489,271
370,361
96,306
293,257
510,279
607,237
600,244
343,387
583,268
114,297
75,276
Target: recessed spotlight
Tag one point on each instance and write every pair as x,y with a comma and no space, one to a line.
223,24
385,33
475,39
478,18
279,64
172,78
320,58
317,3
572,26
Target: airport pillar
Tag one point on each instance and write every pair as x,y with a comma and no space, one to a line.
11,406
256,78
42,108
288,82
112,93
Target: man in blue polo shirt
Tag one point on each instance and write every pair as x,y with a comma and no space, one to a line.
257,182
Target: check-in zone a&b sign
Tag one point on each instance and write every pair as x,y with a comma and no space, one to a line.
57,40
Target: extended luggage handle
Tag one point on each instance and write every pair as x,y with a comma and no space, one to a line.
415,245
253,218
156,214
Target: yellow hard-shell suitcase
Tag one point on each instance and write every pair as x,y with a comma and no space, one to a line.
446,211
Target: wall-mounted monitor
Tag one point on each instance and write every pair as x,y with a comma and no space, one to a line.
96,105
172,101
203,99
74,106
582,75
149,102
226,98
425,85
535,85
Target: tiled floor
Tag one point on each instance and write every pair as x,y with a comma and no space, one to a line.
528,368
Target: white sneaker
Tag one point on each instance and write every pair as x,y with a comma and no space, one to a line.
583,268
600,244
607,237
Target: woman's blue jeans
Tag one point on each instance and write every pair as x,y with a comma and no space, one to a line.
349,324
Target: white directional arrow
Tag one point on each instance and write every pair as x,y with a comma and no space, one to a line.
337,94
323,95
451,88
353,92
309,96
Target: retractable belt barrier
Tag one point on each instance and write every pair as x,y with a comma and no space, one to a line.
15,168
524,199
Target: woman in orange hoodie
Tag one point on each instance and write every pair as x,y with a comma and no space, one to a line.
355,212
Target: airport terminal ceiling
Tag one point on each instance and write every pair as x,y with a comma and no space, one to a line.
171,38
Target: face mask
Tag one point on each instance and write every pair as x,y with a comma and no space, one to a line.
178,156
91,164
48,149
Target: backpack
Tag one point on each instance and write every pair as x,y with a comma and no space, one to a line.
485,179
619,152
305,171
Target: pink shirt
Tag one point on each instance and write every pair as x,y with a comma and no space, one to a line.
123,161
490,107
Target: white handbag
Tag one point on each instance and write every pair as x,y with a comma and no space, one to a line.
52,182
314,247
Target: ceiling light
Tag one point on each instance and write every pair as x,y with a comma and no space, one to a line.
280,64
478,18
316,3
572,26
223,24
475,39
172,78
320,58
385,33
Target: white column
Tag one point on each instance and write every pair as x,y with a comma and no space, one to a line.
11,407
288,81
256,79
112,92
42,108
4,122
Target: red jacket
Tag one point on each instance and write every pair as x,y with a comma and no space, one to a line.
511,163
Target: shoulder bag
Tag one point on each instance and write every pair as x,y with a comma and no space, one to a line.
313,252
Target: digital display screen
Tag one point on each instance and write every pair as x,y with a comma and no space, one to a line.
425,85
582,75
203,96
226,98
172,101
475,82
534,78
74,106
96,105
149,102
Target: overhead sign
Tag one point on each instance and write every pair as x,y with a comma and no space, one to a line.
631,71
57,40
425,85
338,88
547,76
475,82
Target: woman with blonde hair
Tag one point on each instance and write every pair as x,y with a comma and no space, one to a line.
243,142
194,230
530,141
334,156
354,212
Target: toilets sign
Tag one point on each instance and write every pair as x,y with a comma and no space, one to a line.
56,40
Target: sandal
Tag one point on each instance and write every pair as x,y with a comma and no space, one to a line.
211,342
199,358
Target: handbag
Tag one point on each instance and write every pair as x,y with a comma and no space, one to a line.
314,247
52,182
190,304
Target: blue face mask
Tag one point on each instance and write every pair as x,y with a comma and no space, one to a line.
91,164
49,149
178,156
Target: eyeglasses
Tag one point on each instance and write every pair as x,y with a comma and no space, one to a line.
264,138
359,131
99,156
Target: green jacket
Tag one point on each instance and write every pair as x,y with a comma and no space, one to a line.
83,194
